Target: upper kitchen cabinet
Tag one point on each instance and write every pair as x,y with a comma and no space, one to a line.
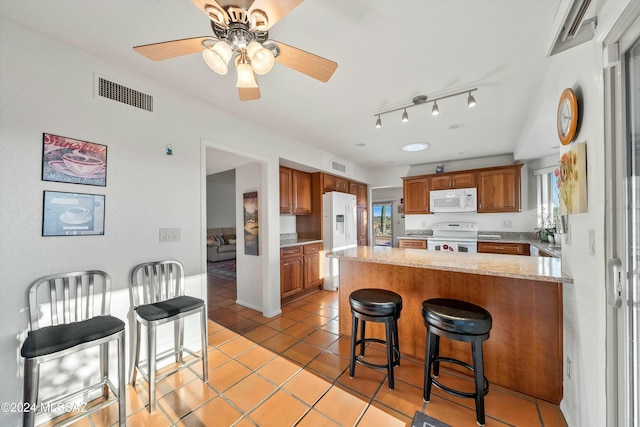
295,192
416,195
451,180
360,191
499,189
334,183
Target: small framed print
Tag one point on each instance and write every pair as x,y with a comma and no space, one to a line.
73,161
72,214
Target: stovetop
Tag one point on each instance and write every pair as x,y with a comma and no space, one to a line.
455,230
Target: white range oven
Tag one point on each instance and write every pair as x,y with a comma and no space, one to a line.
454,237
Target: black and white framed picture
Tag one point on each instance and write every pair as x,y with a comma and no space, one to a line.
73,161
72,214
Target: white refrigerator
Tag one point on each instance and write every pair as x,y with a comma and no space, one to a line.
339,231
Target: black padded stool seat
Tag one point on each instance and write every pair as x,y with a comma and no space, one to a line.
460,321
380,306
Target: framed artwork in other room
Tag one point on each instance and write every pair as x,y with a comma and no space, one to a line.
250,214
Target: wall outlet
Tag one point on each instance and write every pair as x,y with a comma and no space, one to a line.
507,223
169,235
568,368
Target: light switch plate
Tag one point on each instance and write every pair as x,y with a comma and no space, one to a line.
169,235
592,242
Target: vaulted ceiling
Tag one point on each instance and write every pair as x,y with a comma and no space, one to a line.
387,52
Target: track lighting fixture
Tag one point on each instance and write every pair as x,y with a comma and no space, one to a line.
423,99
471,101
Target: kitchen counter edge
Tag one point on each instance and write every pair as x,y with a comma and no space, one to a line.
299,242
547,269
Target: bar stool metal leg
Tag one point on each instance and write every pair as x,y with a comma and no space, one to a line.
354,339
151,365
478,370
390,353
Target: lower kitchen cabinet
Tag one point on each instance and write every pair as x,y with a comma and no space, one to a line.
312,271
300,269
503,248
412,243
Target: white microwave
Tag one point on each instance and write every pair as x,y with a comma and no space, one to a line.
457,200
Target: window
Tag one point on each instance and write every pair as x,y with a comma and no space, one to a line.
547,198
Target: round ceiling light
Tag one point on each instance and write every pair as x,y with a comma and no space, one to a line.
415,146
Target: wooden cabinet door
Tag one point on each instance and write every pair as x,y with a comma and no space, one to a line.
290,276
442,182
312,274
286,205
416,196
499,189
363,226
301,192
463,180
334,183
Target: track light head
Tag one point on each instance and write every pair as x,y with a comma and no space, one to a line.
405,116
471,101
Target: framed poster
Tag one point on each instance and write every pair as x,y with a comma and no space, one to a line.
250,211
72,214
73,161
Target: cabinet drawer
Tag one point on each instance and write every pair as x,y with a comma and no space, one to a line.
410,243
312,248
504,248
291,251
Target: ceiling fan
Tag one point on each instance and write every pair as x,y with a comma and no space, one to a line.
241,28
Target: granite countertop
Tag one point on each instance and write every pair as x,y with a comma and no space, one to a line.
298,242
545,269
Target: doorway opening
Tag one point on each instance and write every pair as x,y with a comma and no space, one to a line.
382,223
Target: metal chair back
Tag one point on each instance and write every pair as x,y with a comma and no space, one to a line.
69,297
157,281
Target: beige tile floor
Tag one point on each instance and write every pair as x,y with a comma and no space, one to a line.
293,370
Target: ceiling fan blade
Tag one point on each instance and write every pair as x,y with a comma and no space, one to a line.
275,9
171,49
249,93
307,63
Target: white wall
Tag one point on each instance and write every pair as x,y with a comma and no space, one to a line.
146,189
584,402
221,208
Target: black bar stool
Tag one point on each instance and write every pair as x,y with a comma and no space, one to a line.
380,306
460,321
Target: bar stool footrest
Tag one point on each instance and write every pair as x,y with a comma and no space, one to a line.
458,393
396,354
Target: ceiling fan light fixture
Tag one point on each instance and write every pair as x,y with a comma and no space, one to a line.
217,57
259,20
246,76
471,101
262,59
405,116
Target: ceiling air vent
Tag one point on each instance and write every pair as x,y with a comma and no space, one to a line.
338,167
574,28
117,92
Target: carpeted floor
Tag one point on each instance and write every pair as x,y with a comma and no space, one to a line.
226,269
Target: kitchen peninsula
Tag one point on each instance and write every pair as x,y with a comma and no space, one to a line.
523,295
